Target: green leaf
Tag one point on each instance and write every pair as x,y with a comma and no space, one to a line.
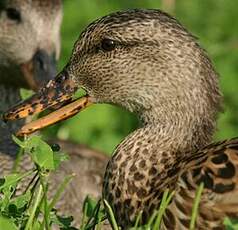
2,181
89,206
7,224
25,93
41,152
22,200
36,225
59,157
8,189
79,93
10,181
231,223
63,222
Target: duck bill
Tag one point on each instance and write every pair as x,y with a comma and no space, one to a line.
57,91
61,114
39,70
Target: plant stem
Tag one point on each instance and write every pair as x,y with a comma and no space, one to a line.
196,206
18,179
45,202
36,203
138,219
18,158
84,216
112,218
164,203
59,191
152,218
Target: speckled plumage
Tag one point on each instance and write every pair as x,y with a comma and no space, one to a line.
155,68
159,71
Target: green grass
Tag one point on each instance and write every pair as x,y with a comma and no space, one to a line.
33,210
196,206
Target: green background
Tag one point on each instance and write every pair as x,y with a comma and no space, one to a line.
214,22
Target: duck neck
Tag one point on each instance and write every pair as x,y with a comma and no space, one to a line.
9,97
146,162
158,138
182,128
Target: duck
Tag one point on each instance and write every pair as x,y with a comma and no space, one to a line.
27,55
29,50
147,62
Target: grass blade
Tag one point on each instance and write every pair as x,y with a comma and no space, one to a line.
164,203
111,215
85,210
196,206
138,219
29,223
61,188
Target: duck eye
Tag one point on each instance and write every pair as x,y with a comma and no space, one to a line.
108,44
13,14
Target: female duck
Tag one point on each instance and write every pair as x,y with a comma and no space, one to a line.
148,63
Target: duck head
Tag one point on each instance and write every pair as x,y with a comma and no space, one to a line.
29,41
146,62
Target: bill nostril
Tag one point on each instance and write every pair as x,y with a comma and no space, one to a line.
41,60
41,64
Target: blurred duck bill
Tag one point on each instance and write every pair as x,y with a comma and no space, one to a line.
57,91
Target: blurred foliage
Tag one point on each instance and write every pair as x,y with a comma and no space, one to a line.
212,21
28,207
